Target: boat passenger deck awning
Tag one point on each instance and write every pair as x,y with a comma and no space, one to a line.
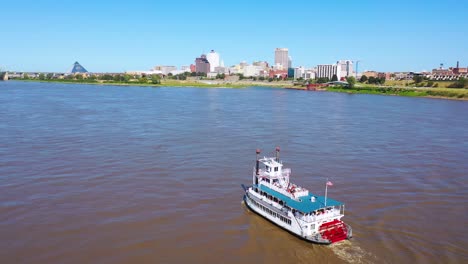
305,205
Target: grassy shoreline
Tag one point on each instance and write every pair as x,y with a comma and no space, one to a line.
169,83
442,93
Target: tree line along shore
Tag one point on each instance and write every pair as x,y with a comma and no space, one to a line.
414,88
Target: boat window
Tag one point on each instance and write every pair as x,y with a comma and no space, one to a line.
276,168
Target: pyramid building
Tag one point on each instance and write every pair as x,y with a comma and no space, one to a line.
77,68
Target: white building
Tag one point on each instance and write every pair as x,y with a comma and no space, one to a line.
327,70
345,69
309,74
282,58
185,68
262,64
253,71
236,69
221,70
152,72
213,59
164,69
301,72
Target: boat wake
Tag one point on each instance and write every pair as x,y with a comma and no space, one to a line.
352,253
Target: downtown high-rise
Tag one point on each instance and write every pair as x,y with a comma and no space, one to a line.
282,58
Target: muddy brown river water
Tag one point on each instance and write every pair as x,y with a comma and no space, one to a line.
104,174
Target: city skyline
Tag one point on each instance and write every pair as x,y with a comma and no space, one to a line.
112,37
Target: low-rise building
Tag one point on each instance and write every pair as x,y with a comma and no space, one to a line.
164,69
278,74
369,74
221,70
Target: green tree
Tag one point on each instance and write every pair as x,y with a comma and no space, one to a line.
143,80
106,77
418,78
49,76
117,78
334,78
372,80
155,79
41,76
363,79
323,80
25,76
381,80
79,77
126,78
351,81
461,83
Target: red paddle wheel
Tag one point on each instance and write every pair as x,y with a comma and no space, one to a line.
334,231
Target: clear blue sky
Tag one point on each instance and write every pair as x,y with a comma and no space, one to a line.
109,36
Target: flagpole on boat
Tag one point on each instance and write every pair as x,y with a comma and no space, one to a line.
326,190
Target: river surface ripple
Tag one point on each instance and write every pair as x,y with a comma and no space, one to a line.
134,175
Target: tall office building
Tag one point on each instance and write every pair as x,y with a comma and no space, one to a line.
282,58
202,64
213,58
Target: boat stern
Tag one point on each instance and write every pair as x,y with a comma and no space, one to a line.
335,231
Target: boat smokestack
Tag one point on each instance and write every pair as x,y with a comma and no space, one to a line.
277,153
257,165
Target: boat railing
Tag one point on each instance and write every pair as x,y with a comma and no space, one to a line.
275,174
279,189
315,218
263,198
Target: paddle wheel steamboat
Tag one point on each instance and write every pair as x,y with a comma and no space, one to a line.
311,217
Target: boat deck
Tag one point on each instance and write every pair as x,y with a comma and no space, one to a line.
304,205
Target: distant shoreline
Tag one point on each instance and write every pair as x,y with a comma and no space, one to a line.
436,93
171,83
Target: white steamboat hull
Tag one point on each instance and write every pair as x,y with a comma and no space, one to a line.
286,220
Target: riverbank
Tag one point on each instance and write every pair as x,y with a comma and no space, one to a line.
445,93
175,83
